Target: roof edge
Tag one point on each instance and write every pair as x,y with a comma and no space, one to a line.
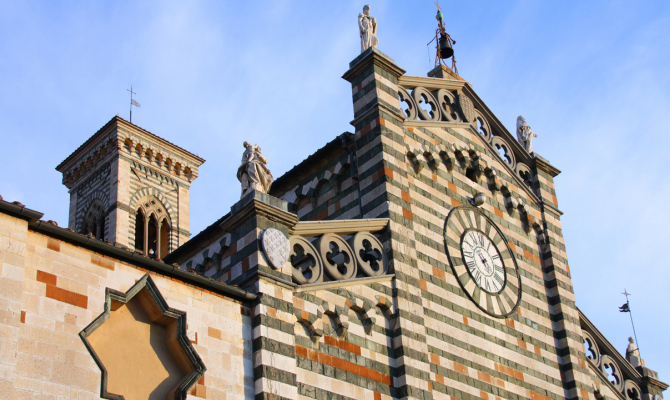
121,254
116,120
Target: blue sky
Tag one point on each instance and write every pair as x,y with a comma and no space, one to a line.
591,78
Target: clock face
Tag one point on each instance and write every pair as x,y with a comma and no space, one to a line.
482,261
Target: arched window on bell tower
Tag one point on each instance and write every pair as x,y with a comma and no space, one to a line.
152,228
94,220
139,230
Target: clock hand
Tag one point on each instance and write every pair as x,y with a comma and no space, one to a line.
485,262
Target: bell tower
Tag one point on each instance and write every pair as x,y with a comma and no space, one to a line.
131,187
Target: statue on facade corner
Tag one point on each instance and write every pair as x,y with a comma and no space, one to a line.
367,26
253,172
633,354
524,134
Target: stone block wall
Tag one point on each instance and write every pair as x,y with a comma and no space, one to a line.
145,181
50,290
120,164
344,342
325,192
443,345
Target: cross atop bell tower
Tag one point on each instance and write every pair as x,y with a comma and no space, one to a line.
131,187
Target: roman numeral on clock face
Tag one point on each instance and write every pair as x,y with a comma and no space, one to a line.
489,280
477,276
500,280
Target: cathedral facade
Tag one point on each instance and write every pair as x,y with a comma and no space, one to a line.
419,257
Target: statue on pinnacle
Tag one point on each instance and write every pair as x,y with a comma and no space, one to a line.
367,26
253,172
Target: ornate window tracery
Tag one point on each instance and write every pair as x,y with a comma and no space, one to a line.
152,228
94,220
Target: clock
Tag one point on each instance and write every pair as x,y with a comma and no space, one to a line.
482,261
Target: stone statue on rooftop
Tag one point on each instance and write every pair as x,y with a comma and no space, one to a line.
253,172
524,134
367,26
633,354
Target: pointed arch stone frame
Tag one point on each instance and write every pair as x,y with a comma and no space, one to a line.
146,282
95,195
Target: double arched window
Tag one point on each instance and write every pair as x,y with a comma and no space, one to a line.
94,220
152,228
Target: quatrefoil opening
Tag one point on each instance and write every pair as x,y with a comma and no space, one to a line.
338,259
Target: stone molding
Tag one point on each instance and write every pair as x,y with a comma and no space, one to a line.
114,298
119,135
340,227
312,287
430,83
375,57
258,207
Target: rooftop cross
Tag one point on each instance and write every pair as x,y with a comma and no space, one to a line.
132,103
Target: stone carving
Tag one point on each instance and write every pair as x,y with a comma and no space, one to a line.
253,173
524,134
447,102
332,258
275,246
466,106
306,262
611,369
404,97
444,106
369,254
633,354
367,26
338,258
421,95
631,390
591,347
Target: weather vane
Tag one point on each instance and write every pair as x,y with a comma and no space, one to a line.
444,42
132,103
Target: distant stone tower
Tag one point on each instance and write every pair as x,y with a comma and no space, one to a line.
131,187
